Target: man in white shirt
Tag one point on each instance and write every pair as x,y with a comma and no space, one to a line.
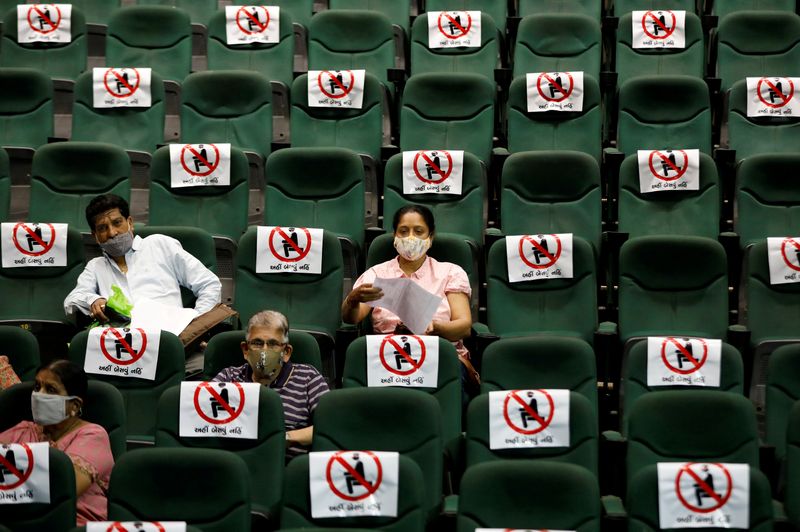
152,268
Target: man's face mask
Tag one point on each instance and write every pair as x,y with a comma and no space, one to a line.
267,359
118,245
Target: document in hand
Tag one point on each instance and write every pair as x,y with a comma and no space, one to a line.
149,314
414,305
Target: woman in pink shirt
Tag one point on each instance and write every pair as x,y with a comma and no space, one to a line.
56,403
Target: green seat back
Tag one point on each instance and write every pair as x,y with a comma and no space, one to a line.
555,130
464,214
673,285
330,199
752,43
792,496
783,390
158,37
385,419
57,60
482,59
133,128
577,7
555,42
688,61
199,11
26,107
664,112
540,362
97,11
360,130
642,502
264,455
219,210
140,395
398,11
274,60
532,199
212,111
567,496
583,437
411,514
497,10
208,488
299,10
751,136
671,212
564,307
65,176
691,426
626,6
767,197
290,293
722,9
772,311
448,111
5,186
22,350
34,293
224,350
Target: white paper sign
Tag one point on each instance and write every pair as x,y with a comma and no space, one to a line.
219,409
450,29
433,171
414,305
128,352
136,526
772,96
783,254
402,360
33,244
24,473
249,24
44,23
195,165
288,250
683,361
353,483
534,257
528,419
555,91
703,495
121,87
658,29
661,170
336,88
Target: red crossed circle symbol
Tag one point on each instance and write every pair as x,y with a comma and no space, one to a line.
667,30
252,19
370,487
443,174
225,405
54,24
793,242
679,170
392,342
543,422
22,476
682,351
345,87
46,246
190,150
463,29
126,348
553,258
559,87
117,526
701,484
301,252
118,78
773,88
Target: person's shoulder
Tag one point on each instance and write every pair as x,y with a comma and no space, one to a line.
157,239
451,268
231,374
94,431
305,369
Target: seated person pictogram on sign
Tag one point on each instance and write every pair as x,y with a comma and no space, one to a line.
334,85
556,87
254,23
32,238
351,480
12,461
524,414
44,18
777,92
658,24
124,83
539,254
454,25
216,406
699,491
681,355
288,248
200,159
665,166
120,346
430,167
398,357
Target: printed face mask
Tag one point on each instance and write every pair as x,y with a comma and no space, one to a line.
412,248
267,362
119,245
49,409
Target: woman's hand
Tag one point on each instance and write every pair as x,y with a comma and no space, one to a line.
364,294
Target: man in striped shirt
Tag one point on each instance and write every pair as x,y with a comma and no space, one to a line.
267,354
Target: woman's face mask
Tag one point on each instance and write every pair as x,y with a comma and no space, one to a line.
49,409
412,248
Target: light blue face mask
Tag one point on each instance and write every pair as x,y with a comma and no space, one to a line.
49,409
119,245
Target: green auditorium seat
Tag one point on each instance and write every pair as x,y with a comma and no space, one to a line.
782,391
158,37
57,60
299,10
722,9
22,350
448,111
398,11
207,488
497,10
791,498
5,186
578,7
199,11
555,42
626,6
65,176
26,108
97,11
567,497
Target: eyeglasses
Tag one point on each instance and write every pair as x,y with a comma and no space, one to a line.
272,345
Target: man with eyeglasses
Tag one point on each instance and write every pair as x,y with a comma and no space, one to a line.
267,354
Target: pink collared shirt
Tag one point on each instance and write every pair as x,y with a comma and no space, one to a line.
440,278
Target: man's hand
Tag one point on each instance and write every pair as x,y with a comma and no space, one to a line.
97,308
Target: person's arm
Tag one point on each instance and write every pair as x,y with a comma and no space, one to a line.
300,436
460,322
192,274
354,307
85,292
82,480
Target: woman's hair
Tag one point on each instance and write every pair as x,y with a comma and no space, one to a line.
422,210
71,376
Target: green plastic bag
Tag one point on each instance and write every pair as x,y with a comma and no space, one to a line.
118,310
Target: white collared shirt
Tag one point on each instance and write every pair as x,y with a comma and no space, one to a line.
157,268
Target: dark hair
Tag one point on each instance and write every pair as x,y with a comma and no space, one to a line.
71,376
104,203
422,210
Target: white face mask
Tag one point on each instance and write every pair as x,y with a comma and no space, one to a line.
49,409
412,248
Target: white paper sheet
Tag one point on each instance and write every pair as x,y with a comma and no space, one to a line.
414,305
148,314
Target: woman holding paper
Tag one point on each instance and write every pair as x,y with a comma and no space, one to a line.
59,394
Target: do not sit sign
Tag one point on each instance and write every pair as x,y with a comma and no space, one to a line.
219,409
